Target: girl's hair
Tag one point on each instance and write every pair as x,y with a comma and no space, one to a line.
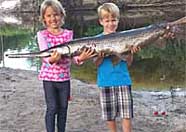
56,5
110,8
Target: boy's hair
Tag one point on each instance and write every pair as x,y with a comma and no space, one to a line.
110,8
56,5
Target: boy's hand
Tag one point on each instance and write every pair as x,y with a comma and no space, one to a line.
135,49
169,34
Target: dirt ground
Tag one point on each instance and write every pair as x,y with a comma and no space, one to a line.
22,107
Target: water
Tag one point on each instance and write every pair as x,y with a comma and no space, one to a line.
14,63
152,67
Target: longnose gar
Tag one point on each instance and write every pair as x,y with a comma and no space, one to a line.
116,43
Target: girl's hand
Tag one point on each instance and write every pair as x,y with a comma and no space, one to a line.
86,54
55,57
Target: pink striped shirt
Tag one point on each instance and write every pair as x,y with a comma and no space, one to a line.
61,70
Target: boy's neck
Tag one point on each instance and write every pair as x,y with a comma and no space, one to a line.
105,32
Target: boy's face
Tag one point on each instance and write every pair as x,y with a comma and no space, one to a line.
109,23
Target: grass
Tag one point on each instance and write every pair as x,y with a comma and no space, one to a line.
86,72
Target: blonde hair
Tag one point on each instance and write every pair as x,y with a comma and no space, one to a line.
55,4
110,8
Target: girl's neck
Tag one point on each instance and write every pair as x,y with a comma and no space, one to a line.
55,31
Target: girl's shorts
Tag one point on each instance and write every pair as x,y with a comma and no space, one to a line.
116,102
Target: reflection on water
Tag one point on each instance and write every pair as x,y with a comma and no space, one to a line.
18,63
8,5
151,66
11,19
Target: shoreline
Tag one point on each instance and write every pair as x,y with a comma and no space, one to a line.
22,107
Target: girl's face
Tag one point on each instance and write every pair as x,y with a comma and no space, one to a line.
109,23
52,18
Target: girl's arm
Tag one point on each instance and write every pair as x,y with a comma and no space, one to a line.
55,57
85,55
42,43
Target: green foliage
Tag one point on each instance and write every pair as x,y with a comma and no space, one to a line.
93,30
168,63
173,51
9,30
15,37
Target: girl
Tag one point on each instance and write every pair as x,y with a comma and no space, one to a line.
55,70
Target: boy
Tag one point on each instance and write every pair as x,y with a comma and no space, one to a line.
113,79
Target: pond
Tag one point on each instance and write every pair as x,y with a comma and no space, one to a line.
152,68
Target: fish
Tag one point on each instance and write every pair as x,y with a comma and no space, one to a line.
118,44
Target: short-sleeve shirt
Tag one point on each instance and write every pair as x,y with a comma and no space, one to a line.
109,74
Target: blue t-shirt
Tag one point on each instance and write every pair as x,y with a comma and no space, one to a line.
113,75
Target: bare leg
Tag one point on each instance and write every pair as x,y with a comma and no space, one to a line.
112,126
126,125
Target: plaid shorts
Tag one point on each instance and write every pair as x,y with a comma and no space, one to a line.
116,102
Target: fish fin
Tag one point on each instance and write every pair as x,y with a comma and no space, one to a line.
117,57
160,43
123,55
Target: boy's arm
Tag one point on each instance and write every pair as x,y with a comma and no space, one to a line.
98,60
129,59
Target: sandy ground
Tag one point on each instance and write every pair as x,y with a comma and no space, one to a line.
22,107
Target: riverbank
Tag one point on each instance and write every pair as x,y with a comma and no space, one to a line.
22,107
